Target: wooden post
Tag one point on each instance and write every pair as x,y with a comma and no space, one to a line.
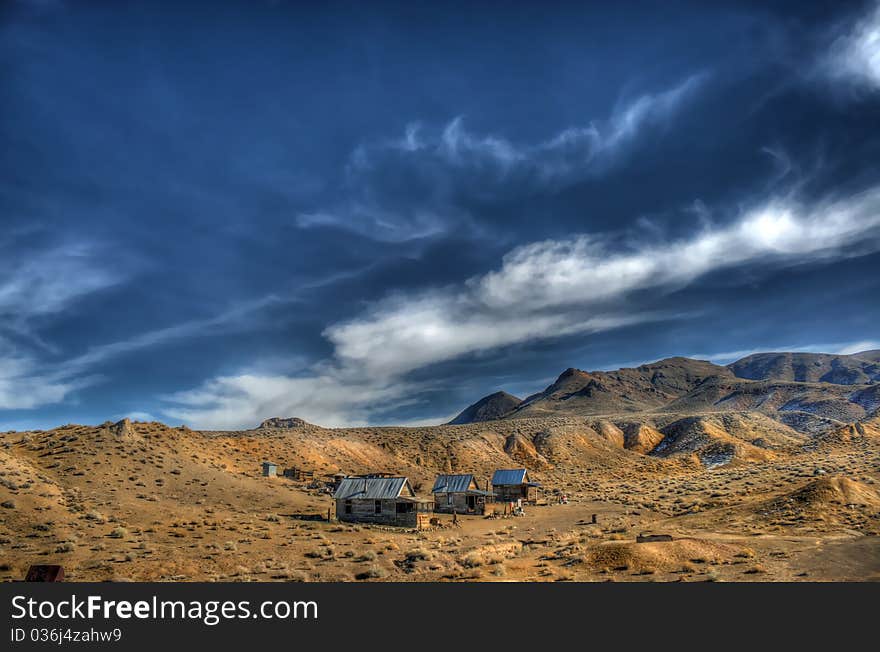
593,519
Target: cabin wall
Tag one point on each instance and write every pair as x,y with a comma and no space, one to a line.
513,492
459,504
532,494
364,511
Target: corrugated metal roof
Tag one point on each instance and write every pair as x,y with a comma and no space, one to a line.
509,476
375,488
452,483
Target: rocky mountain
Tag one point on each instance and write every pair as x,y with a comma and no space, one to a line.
856,369
647,387
488,408
285,423
809,392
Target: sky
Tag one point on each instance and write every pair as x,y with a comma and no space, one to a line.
213,213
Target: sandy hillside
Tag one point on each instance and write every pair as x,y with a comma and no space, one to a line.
744,497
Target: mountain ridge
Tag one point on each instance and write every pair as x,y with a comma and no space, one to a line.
818,386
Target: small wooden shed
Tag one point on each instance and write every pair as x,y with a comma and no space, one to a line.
510,485
45,573
386,501
298,474
459,493
270,469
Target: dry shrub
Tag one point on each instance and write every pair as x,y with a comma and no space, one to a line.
372,573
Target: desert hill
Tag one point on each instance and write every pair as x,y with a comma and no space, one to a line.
488,408
145,501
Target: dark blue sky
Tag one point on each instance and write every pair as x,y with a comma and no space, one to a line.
214,213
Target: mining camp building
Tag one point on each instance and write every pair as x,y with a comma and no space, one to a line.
510,485
387,501
460,494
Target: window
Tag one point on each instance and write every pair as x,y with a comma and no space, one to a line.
378,506
448,499
348,507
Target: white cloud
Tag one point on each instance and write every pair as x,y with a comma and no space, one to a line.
583,270
541,290
329,399
425,174
855,56
397,337
858,347
140,416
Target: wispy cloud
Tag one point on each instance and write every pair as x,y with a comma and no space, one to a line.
854,57
541,290
48,281
563,158
238,314
420,184
24,386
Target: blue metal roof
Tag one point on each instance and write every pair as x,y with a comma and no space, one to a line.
372,488
503,477
452,483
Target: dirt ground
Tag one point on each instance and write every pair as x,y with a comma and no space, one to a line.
146,502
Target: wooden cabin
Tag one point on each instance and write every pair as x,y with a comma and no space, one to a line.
386,501
270,469
459,494
510,485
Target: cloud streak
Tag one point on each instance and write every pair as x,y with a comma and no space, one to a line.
40,286
34,288
542,290
24,386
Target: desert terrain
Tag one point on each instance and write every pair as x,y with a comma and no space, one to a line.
764,470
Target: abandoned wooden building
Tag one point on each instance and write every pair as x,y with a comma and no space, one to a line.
460,494
299,474
387,501
510,485
270,469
